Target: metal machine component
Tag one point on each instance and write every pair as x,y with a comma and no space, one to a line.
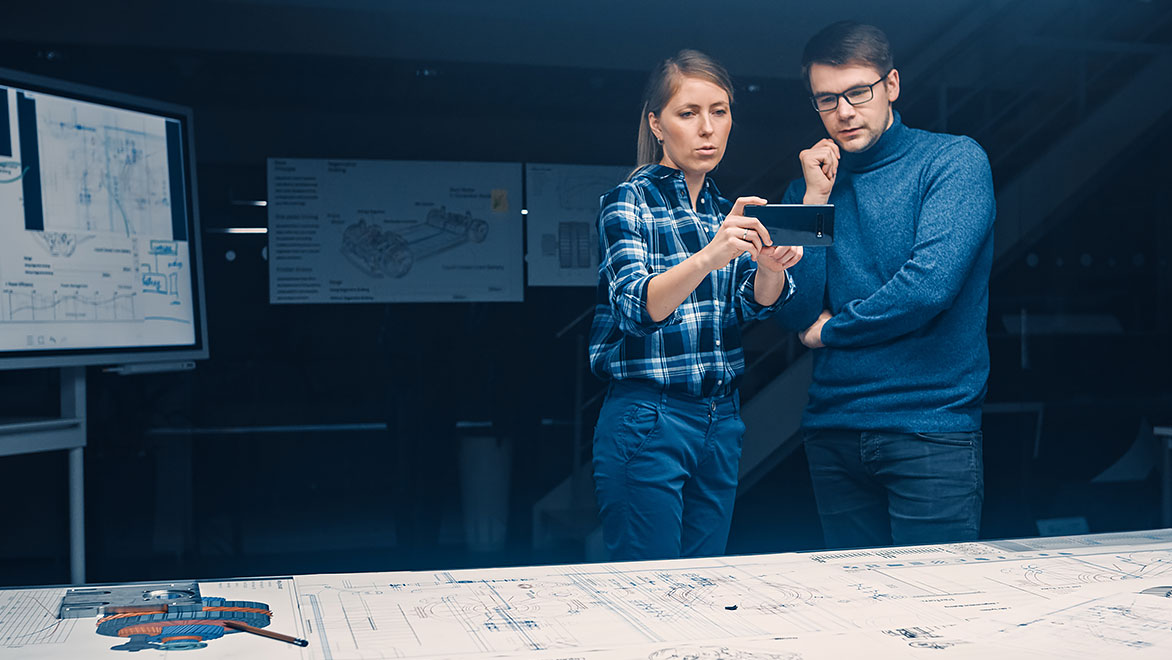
99,601
169,616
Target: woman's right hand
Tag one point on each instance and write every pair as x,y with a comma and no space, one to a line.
737,234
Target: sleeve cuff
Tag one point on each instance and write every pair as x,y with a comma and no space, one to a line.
832,333
828,335
634,315
756,310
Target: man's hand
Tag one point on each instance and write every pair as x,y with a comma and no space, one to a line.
820,169
812,336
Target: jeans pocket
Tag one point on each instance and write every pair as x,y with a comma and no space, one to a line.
639,421
952,438
740,434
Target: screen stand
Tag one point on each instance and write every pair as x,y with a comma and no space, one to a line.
66,432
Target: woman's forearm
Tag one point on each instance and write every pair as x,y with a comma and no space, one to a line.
668,289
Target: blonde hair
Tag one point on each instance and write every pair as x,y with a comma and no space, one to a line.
662,85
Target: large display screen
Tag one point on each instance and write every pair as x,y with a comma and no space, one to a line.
99,232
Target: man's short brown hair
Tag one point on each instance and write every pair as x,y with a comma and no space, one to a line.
848,42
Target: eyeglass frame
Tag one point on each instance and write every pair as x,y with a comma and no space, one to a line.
814,98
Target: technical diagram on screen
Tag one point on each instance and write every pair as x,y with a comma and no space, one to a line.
98,227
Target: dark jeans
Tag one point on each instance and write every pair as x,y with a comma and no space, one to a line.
665,472
879,488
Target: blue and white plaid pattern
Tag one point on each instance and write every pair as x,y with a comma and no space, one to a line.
647,225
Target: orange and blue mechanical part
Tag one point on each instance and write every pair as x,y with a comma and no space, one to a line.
182,627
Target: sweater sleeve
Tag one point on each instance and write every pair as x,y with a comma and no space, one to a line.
808,278
956,220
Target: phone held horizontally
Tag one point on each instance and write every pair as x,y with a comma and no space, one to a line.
796,224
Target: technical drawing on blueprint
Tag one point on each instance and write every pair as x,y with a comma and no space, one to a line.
1101,596
895,600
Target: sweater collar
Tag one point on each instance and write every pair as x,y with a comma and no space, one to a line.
889,147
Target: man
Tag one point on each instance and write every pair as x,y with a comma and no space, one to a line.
895,310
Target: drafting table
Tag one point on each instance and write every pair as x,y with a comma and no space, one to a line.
1094,596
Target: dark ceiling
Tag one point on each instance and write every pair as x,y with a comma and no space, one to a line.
752,37
514,80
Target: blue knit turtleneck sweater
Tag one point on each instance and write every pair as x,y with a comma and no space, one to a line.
907,281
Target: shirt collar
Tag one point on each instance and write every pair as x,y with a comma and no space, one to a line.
657,171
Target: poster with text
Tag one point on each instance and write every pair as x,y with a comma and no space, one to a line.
357,231
563,221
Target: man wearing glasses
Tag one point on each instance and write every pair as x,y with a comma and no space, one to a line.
895,310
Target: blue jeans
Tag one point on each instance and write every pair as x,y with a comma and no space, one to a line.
879,488
665,471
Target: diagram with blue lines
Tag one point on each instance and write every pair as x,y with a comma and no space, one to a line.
93,253
66,290
953,599
161,275
103,171
55,306
1089,597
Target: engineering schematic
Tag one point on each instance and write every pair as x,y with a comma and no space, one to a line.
384,253
1065,598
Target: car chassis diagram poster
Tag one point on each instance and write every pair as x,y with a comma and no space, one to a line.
353,231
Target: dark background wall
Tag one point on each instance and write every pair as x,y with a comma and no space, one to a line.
550,82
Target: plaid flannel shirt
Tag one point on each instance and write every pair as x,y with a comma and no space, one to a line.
646,226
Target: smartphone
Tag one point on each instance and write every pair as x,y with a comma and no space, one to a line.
796,224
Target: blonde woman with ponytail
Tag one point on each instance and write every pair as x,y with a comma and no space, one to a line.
681,270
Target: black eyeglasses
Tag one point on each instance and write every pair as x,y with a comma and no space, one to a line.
854,96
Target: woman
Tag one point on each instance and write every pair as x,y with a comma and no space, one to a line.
681,269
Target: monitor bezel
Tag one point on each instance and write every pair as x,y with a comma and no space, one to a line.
76,357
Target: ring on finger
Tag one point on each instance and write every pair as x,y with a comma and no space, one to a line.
745,235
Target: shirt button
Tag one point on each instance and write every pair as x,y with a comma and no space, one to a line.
718,342
701,200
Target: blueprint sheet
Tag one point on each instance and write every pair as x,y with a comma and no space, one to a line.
30,629
1073,597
